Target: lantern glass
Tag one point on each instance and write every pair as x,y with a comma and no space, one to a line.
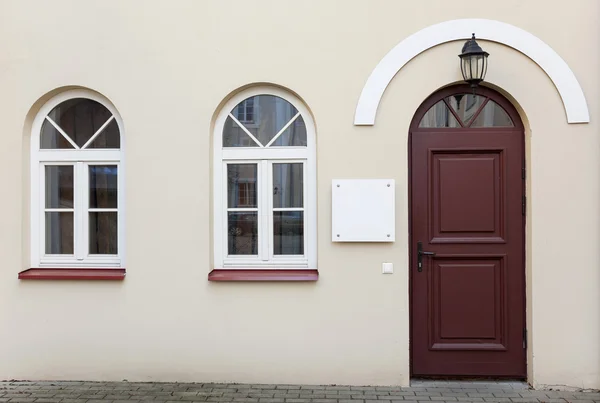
473,62
474,67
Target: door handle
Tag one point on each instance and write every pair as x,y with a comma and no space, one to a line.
420,254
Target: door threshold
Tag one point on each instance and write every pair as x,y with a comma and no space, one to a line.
469,382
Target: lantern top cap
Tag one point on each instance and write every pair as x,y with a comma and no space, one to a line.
471,47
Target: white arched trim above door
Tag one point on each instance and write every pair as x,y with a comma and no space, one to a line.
531,46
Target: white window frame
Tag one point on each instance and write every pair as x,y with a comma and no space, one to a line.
264,157
80,160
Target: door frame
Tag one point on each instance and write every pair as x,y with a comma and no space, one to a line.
507,105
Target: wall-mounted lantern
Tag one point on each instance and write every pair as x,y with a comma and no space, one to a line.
473,62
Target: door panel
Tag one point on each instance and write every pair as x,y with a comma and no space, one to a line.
467,303
467,189
467,309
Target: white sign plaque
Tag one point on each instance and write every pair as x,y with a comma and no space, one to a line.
363,210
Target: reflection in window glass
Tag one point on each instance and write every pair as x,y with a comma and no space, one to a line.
439,116
241,185
242,233
293,136
288,185
103,186
50,138
465,105
235,136
288,232
59,186
109,137
80,118
492,115
59,233
103,233
264,116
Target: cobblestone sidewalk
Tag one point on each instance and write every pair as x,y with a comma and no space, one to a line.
420,391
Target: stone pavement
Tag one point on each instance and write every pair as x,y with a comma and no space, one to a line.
420,391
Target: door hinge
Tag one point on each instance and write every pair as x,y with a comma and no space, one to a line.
524,338
523,170
524,205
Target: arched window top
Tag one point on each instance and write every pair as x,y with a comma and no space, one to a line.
465,110
264,121
79,123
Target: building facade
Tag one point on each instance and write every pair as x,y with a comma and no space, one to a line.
277,192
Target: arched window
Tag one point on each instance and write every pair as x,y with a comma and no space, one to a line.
265,182
465,110
77,183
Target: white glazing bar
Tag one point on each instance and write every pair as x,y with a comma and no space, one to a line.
246,130
271,153
98,132
80,197
110,156
65,135
283,129
242,209
264,212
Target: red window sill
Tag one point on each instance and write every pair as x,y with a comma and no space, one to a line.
72,274
263,275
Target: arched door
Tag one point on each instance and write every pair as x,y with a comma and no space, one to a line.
467,235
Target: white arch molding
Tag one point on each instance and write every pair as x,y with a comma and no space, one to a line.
531,46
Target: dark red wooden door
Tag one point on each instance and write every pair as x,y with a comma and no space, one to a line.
467,207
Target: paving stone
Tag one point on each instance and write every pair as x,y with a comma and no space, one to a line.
506,394
140,392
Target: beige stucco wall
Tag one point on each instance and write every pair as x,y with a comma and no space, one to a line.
167,66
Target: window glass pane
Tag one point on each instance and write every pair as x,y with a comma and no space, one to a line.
103,233
294,135
241,185
59,186
465,105
103,186
439,116
269,114
80,118
108,138
288,185
288,232
234,135
492,115
242,233
50,138
59,233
